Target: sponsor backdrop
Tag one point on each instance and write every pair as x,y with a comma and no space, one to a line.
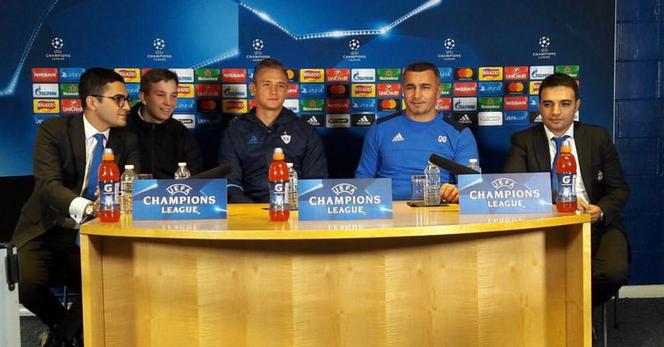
345,62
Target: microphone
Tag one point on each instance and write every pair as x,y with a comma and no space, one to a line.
220,171
451,166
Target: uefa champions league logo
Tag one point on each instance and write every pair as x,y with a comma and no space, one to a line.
57,43
159,44
257,44
354,44
448,53
449,43
545,51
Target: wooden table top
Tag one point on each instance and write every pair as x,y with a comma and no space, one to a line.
250,222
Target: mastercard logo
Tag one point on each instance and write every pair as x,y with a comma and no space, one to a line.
465,73
515,87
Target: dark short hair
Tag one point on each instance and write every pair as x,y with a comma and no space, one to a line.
422,66
270,63
157,75
94,80
559,80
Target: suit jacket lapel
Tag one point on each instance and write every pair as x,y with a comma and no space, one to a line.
583,144
77,140
542,149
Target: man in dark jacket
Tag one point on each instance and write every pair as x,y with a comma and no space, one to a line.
249,141
164,141
66,159
601,188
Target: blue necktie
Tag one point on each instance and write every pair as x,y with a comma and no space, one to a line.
97,154
554,173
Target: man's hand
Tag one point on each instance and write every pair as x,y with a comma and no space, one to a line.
449,193
594,210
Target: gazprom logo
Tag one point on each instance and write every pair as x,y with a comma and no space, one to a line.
363,75
344,189
178,188
540,72
503,182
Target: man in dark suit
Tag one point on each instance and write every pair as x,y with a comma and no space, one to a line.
65,167
601,187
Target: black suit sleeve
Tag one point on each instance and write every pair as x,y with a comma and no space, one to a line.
616,191
48,169
314,163
192,151
133,152
228,155
517,156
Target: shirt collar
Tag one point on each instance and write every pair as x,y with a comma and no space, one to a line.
549,134
90,130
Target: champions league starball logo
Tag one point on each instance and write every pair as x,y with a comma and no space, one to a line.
544,52
159,44
448,54
354,55
257,44
449,43
57,43
354,44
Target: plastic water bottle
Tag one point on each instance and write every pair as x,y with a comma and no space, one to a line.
431,185
126,189
109,190
278,178
182,173
475,165
566,170
292,192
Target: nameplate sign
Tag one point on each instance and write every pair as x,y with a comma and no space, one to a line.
179,199
345,199
505,193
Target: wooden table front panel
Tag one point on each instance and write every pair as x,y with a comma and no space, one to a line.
498,289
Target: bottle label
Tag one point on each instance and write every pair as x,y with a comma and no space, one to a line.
108,195
566,187
279,195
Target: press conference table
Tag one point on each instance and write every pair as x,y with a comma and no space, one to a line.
427,277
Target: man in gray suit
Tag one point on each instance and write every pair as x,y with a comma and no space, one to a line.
65,164
601,187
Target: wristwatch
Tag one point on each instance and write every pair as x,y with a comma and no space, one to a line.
89,211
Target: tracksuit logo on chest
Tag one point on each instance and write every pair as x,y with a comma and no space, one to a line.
286,138
253,140
398,138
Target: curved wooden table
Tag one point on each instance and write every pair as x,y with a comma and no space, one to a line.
427,277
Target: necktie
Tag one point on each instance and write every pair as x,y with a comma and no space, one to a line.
554,173
97,154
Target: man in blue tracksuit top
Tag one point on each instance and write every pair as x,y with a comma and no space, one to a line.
249,141
399,145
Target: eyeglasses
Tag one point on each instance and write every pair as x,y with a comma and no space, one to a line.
121,100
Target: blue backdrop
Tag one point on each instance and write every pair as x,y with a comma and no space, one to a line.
468,34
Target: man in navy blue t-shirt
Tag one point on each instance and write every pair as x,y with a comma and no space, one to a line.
399,145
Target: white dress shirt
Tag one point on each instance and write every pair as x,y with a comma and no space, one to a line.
77,206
